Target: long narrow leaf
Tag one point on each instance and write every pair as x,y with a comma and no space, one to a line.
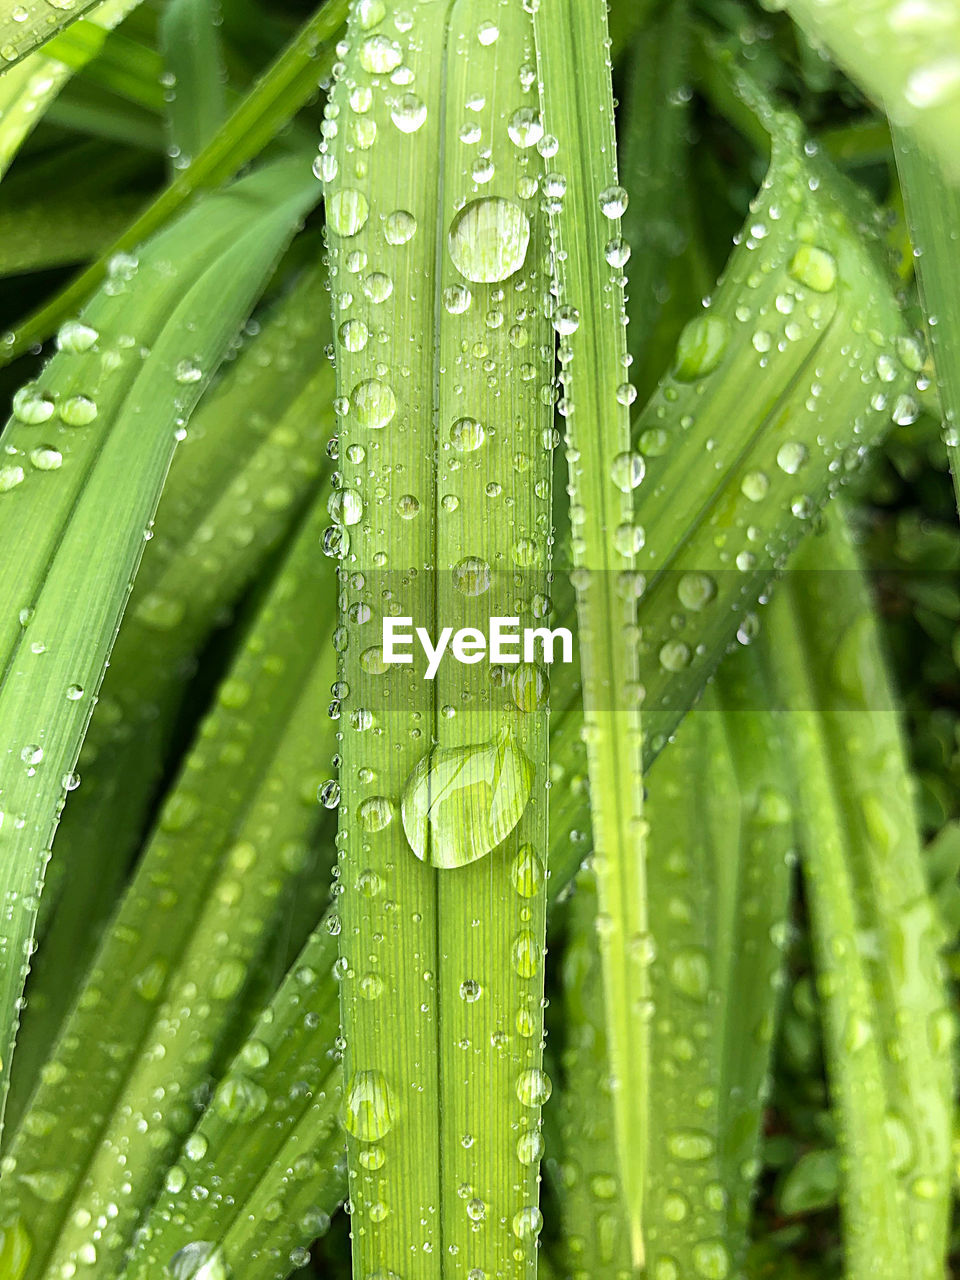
109,426
577,102
933,210
282,90
197,104
905,56
28,89
876,934
444,520
26,25
193,924
254,450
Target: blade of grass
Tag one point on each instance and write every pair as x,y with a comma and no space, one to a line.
253,452
906,57
653,123
577,103
27,90
753,945
107,450
190,42
876,936
290,1057
933,212
719,832
492,912
188,933
27,24
289,82
444,950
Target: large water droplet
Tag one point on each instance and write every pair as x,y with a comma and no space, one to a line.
814,267
702,346
347,211
373,403
461,802
488,240
368,1107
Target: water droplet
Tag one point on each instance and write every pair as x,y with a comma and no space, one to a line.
374,403
525,954
701,348
380,55
526,872
399,227
471,576
690,1145
527,1222
613,202
534,1087
354,335
347,211
696,590
239,1100
628,471
466,435
791,456
328,793
457,299
530,1147
470,990
76,337
754,486
368,1107
32,754
45,458
814,267
488,240
198,1260
33,406
461,802
376,812
370,13
711,1259
525,128
409,113
10,476
78,411
187,372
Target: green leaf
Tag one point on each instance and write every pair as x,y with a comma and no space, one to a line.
238,825
27,90
933,210
444,519
577,102
191,46
887,1026
108,433
27,24
253,453
906,57
280,92
279,1171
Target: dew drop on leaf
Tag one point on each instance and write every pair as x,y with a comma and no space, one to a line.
488,240
702,346
459,803
368,1107
814,267
347,211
